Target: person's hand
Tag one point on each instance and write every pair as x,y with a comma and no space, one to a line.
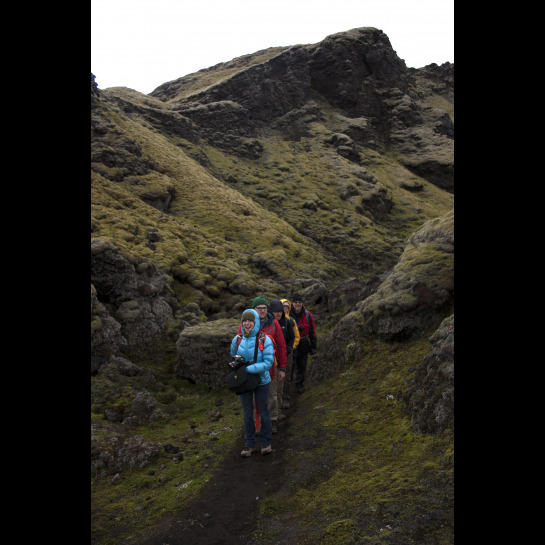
281,375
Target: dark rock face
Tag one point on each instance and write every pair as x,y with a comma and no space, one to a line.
356,71
203,352
430,397
134,291
369,65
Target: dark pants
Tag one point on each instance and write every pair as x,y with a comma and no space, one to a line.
284,394
300,362
262,400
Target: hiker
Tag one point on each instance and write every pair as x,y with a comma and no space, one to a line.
307,343
271,327
265,360
284,394
275,402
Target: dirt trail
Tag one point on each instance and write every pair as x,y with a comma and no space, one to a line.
227,510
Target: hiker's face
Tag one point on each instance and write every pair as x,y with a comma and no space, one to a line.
297,306
262,311
278,315
248,325
286,309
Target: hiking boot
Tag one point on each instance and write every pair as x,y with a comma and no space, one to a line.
266,450
247,451
286,405
274,429
281,417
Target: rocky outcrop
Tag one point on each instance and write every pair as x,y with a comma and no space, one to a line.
335,353
357,72
114,449
430,397
355,69
203,352
134,292
420,288
106,338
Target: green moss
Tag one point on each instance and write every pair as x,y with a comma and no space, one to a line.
141,497
370,468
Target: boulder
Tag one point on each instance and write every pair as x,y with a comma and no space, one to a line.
203,352
131,290
430,396
419,291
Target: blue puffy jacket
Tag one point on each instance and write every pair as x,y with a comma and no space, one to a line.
246,348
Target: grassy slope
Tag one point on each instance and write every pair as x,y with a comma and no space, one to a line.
374,480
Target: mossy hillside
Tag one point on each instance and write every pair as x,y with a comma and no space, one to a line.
210,229
316,198
202,424
320,193
357,473
423,272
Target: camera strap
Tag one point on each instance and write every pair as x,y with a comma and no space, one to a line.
259,343
258,346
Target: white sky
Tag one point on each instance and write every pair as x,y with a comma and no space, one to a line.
143,43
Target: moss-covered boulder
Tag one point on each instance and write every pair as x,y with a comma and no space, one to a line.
203,352
430,397
134,291
420,289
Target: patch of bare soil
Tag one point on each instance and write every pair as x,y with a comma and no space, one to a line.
226,512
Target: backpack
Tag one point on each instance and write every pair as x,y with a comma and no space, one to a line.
259,344
272,370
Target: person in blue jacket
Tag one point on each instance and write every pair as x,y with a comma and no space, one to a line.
265,360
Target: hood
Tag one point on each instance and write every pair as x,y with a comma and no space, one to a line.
286,301
255,330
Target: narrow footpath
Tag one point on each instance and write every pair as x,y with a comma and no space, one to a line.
227,510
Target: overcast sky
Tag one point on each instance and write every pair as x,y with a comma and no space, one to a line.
143,43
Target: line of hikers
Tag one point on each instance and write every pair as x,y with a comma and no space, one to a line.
290,336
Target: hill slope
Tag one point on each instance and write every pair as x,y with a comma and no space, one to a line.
325,169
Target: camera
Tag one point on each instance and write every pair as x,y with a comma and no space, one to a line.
237,362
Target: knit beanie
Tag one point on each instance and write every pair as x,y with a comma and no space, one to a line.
260,301
296,297
248,315
276,306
